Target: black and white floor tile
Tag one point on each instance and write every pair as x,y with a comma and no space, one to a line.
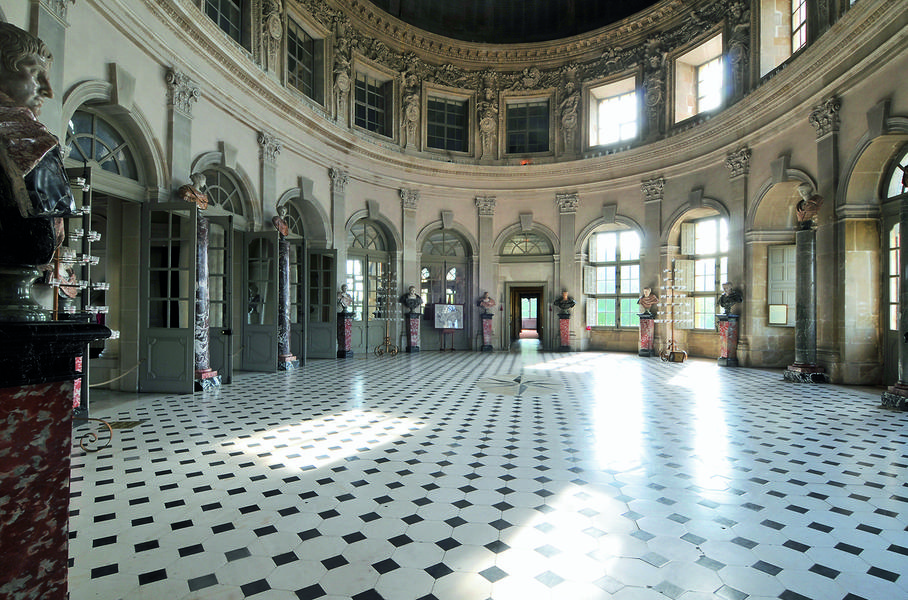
504,476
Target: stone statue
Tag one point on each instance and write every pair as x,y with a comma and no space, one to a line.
565,303
570,118
486,303
729,298
808,207
647,301
344,300
488,122
409,122
34,188
194,192
411,300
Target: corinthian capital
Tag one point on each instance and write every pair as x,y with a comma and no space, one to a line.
409,198
653,189
339,179
738,162
270,146
567,202
181,92
825,117
485,204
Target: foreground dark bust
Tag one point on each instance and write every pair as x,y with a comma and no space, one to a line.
34,189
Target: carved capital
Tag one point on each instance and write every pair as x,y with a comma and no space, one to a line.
409,198
59,7
653,189
738,162
486,205
339,180
567,202
181,92
825,117
270,146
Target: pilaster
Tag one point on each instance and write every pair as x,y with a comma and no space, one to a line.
485,207
409,202
650,264
269,149
182,93
339,180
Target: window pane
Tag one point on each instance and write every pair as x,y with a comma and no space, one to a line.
709,85
605,312
606,280
300,60
528,127
706,236
446,124
705,313
617,118
606,247
630,245
705,275
629,310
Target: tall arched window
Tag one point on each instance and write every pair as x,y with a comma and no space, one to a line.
705,242
95,141
224,191
612,280
368,271
443,274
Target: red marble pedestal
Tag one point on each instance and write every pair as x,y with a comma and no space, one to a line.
344,335
486,332
413,332
728,339
647,327
564,328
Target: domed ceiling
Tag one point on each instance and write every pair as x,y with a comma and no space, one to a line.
511,21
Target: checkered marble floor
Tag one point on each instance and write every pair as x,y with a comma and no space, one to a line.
468,476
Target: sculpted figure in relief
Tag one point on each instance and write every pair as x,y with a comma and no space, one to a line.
488,122
570,119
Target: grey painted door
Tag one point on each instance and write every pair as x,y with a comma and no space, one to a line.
321,281
260,264
298,299
220,285
167,305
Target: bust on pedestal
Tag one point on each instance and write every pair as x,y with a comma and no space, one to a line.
647,318
564,304
412,301
486,304
37,356
728,325
344,323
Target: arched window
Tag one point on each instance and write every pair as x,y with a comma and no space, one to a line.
444,275
294,219
705,242
898,180
612,279
527,243
368,271
95,141
224,191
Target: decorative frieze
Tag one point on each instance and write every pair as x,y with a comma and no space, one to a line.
485,205
825,117
738,162
270,146
409,198
567,202
181,92
339,180
653,189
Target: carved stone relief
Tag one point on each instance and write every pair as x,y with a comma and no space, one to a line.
181,92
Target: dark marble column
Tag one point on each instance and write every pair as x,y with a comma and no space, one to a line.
805,368
205,378
647,329
286,361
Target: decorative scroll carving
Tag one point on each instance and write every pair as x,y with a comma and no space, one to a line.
272,32
653,189
181,92
738,162
825,117
409,198
567,202
270,146
486,205
339,180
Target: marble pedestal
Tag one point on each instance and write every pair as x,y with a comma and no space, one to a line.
647,328
344,335
413,332
486,332
564,329
728,340
37,371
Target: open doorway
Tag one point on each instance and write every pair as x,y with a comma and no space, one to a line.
525,313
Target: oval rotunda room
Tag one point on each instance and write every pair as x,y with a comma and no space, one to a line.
434,300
